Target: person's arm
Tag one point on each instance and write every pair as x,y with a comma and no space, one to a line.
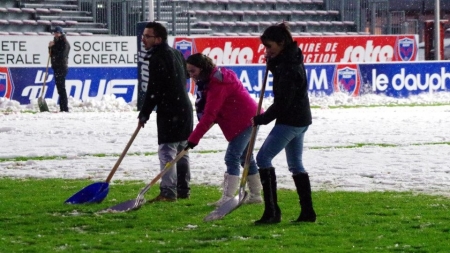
215,99
286,90
152,95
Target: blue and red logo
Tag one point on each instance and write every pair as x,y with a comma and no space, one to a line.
6,87
185,47
347,79
406,48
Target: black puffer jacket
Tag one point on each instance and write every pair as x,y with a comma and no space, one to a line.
60,53
167,91
290,88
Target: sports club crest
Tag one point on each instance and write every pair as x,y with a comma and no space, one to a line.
347,80
406,49
185,47
6,87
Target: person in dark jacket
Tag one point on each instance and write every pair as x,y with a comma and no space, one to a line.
166,91
59,52
292,113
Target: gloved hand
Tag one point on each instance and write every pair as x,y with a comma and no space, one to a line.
190,145
256,121
142,121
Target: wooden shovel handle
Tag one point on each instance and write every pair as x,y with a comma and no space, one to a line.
251,143
124,152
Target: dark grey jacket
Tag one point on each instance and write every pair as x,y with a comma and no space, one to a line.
290,88
166,91
60,53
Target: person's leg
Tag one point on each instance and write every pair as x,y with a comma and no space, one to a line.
183,173
233,162
294,151
168,185
294,154
253,178
276,141
60,81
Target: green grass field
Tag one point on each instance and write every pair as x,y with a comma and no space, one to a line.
33,218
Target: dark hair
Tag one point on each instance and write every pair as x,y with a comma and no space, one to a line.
158,29
279,34
201,61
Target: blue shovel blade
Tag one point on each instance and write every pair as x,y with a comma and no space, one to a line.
94,193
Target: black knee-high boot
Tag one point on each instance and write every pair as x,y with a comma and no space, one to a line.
303,186
183,179
272,213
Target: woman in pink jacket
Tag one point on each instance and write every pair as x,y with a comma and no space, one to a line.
227,103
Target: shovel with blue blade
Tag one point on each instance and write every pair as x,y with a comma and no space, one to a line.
96,192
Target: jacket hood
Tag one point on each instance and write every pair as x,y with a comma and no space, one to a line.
223,76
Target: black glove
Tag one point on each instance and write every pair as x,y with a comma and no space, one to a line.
190,145
142,121
256,121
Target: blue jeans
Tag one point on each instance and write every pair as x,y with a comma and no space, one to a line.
166,153
282,137
236,153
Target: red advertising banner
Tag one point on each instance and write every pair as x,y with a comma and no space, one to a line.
324,49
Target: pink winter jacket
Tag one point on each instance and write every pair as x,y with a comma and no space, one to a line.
228,104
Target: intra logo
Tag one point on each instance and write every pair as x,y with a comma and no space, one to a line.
369,53
230,55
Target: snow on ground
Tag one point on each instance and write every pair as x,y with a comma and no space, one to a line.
406,148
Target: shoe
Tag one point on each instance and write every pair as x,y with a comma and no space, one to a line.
161,198
183,195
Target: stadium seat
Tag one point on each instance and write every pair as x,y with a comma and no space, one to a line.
58,23
216,23
28,10
44,22
30,33
71,22
72,34
15,22
29,22
4,22
229,23
4,33
86,34
42,10
15,33
55,10
14,10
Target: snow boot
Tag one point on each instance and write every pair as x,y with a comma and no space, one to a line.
255,187
230,186
272,212
303,186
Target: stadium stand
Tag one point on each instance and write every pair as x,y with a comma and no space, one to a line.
213,17
243,17
30,17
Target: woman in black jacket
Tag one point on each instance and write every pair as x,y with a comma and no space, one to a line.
292,113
